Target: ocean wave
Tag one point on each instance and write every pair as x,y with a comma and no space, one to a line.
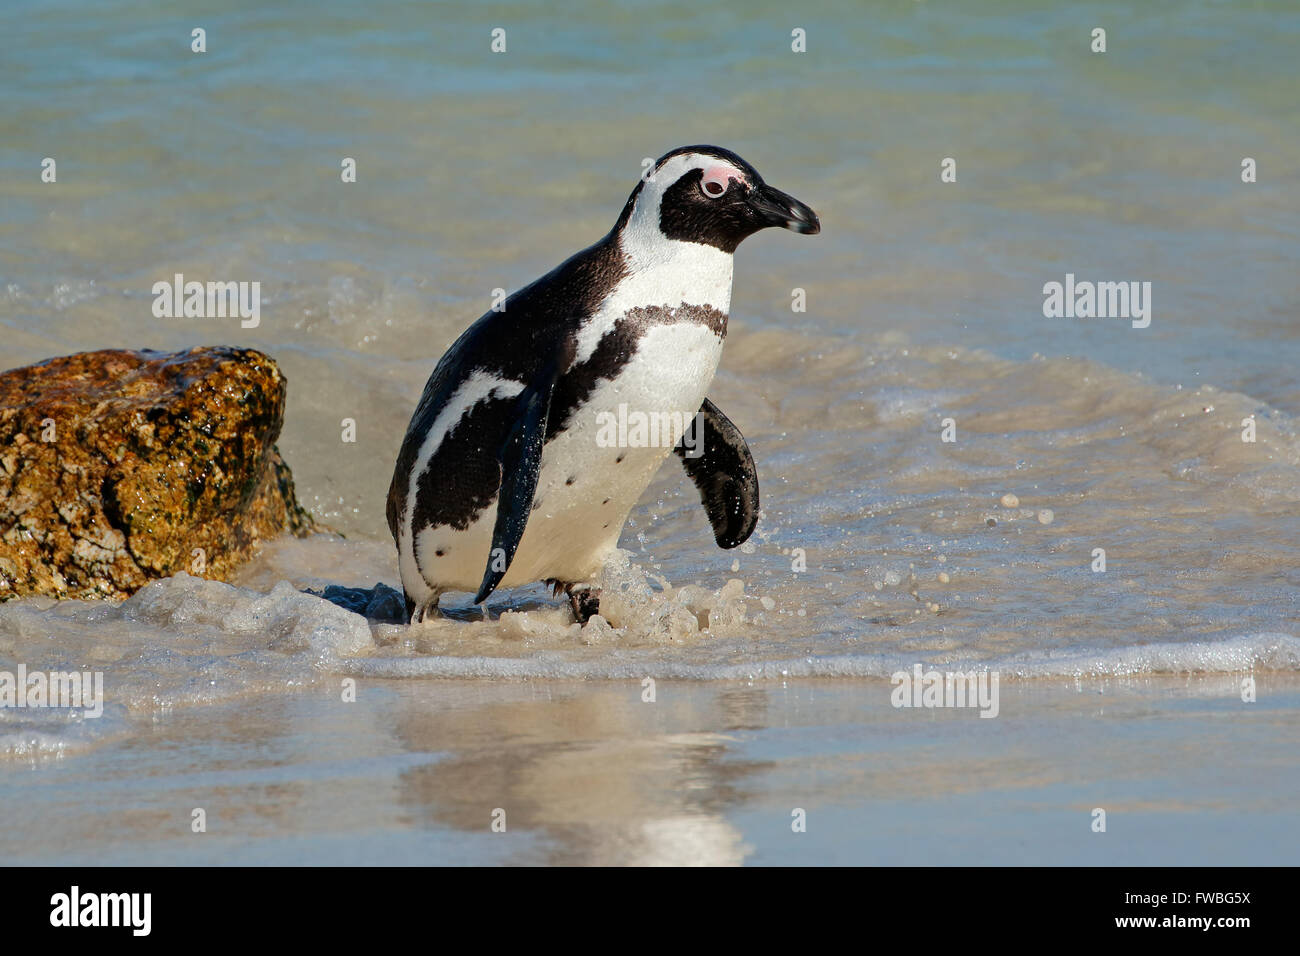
1246,653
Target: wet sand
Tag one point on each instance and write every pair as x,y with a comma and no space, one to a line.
710,773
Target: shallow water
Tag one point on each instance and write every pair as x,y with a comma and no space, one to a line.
712,774
880,544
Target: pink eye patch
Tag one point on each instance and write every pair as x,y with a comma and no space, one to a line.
716,179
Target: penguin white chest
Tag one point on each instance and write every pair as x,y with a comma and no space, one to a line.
593,472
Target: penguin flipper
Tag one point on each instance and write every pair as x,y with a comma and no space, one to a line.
725,475
520,456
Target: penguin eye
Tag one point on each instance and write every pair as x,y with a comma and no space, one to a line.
713,188
716,180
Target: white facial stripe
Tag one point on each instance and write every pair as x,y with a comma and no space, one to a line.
643,226
662,271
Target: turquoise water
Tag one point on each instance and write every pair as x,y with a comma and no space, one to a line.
1123,164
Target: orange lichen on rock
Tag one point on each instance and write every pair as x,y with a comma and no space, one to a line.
118,467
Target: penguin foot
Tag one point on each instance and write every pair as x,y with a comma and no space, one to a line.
417,613
585,602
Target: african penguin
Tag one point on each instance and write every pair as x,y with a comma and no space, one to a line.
507,474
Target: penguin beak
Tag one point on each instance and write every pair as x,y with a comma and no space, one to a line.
775,208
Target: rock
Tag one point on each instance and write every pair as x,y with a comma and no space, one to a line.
380,603
119,467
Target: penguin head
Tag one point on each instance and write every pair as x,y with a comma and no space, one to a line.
709,195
